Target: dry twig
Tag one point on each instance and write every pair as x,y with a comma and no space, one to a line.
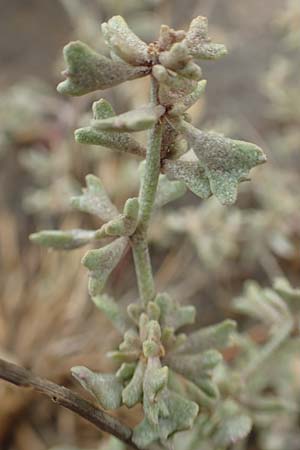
67,398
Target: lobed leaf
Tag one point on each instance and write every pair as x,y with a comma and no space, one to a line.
124,42
182,414
211,337
101,262
226,162
191,174
199,43
88,71
123,225
123,142
94,200
173,315
133,392
106,388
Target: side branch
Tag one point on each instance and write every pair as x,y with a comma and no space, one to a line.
68,399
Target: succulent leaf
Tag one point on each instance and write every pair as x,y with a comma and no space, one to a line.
226,162
198,42
124,43
88,71
123,142
133,392
123,225
175,58
235,425
173,87
94,200
196,365
62,240
188,101
171,314
182,414
106,388
101,262
168,191
135,120
191,174
211,337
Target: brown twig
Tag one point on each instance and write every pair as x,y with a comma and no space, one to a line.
67,398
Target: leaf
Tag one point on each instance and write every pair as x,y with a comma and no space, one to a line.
150,334
126,371
168,36
94,200
212,337
196,365
101,262
124,43
198,42
173,87
226,162
123,225
88,71
175,58
234,424
154,382
182,414
112,311
191,174
135,120
62,240
118,141
262,304
133,392
171,314
106,388
168,191
288,293
188,101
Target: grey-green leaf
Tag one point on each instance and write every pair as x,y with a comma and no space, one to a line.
94,200
172,314
188,101
123,142
106,388
88,71
133,392
168,191
135,120
191,174
199,43
101,262
123,225
62,240
124,43
226,162
211,337
182,414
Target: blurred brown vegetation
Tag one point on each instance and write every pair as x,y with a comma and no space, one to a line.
201,253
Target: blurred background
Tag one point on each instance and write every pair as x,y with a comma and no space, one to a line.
202,252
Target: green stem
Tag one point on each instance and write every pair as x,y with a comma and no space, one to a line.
146,199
